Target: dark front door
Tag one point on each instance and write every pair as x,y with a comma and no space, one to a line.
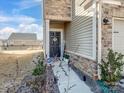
55,44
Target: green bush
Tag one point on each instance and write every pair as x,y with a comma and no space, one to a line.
112,66
40,68
66,56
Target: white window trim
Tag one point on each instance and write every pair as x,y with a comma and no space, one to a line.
62,40
84,56
115,2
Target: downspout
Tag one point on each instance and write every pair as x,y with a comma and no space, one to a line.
99,9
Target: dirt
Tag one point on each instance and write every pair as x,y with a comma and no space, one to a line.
13,68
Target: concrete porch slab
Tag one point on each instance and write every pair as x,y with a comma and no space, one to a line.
68,81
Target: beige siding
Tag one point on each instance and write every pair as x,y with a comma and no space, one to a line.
81,39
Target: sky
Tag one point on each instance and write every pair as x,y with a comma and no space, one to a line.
21,16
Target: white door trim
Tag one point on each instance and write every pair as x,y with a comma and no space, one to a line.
46,38
62,36
113,25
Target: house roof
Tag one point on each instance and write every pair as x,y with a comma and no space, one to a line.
22,36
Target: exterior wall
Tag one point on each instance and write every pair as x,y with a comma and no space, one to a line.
87,66
110,11
80,32
57,10
56,13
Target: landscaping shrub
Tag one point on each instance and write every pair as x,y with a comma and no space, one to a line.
111,67
66,56
40,68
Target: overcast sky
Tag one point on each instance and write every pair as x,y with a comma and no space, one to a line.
23,16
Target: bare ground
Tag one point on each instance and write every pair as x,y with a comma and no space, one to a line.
13,68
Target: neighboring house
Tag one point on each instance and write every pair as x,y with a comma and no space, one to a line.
1,44
87,28
22,41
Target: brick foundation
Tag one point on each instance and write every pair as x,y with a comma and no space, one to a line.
89,67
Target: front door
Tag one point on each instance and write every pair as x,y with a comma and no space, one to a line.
55,44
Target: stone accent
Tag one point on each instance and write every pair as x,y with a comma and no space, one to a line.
89,67
51,81
88,80
31,84
110,11
58,10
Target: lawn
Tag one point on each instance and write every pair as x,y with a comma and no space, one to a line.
13,68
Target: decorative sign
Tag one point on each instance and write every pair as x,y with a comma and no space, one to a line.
54,39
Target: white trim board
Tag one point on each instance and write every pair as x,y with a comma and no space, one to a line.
99,37
115,2
84,56
94,29
47,24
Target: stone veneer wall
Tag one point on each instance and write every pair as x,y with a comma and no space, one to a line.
58,10
109,11
86,66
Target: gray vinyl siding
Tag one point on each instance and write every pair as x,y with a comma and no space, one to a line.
81,32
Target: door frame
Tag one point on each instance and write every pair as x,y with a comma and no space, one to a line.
62,36
113,26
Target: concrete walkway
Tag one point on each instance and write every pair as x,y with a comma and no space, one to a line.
68,81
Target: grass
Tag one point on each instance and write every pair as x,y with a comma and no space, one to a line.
14,67
40,67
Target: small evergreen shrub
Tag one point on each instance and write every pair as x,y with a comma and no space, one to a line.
40,68
66,56
111,67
